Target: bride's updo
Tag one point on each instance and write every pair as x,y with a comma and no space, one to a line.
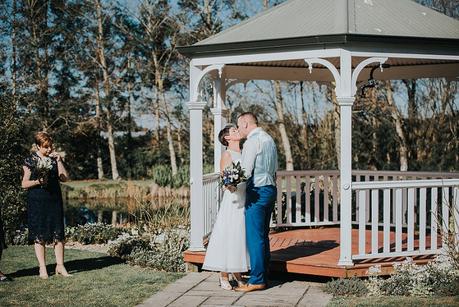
224,133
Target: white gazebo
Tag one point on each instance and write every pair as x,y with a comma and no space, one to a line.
339,41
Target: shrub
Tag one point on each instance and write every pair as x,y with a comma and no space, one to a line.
435,278
20,237
12,204
162,175
346,287
182,179
162,252
438,277
97,233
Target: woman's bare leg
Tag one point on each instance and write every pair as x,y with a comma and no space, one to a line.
59,252
40,253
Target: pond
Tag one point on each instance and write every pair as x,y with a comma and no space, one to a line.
121,211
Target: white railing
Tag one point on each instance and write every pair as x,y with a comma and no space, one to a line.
211,198
302,195
412,214
306,198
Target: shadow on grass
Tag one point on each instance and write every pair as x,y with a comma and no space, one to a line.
72,266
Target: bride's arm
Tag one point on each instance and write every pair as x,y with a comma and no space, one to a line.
225,161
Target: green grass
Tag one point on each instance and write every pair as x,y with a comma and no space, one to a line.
98,280
399,301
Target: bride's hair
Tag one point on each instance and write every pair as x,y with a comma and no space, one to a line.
223,133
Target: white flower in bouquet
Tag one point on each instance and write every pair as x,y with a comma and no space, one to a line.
44,166
233,174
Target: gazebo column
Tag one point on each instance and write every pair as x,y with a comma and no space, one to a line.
196,174
345,98
345,104
219,119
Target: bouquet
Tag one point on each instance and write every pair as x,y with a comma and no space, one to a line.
44,166
233,175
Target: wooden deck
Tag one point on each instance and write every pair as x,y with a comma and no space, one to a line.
316,252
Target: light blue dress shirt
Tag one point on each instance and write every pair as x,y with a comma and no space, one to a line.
259,158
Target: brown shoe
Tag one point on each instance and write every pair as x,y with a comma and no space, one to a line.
250,288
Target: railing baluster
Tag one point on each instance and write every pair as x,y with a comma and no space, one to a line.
279,200
357,208
316,199
386,220
434,219
410,233
298,200
288,201
307,190
335,198
398,220
326,218
362,221
374,221
394,206
405,207
422,219
367,203
445,214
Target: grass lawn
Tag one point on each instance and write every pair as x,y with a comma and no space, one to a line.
399,301
98,280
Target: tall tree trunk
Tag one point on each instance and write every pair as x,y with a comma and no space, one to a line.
41,71
397,117
179,144
158,122
107,91
278,100
170,140
130,125
100,167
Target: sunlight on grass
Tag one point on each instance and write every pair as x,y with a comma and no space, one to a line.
98,280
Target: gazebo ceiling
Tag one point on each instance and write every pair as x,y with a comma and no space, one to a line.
361,25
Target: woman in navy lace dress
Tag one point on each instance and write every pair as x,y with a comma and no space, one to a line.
43,170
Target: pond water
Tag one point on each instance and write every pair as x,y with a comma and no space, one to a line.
114,211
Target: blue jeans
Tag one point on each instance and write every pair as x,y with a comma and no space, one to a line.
258,207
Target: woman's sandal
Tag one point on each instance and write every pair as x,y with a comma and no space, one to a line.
43,273
224,284
60,270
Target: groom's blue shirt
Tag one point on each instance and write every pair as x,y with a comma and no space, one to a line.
259,158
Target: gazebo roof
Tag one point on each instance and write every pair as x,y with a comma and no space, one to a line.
391,25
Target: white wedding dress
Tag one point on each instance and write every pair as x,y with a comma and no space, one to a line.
227,250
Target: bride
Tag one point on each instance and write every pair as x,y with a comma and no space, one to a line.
227,251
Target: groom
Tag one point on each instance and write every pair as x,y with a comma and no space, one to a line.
259,159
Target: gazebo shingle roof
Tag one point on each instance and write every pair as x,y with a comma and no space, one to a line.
326,21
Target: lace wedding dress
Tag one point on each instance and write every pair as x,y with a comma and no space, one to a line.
227,251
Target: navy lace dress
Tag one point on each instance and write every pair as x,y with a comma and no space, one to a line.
44,205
